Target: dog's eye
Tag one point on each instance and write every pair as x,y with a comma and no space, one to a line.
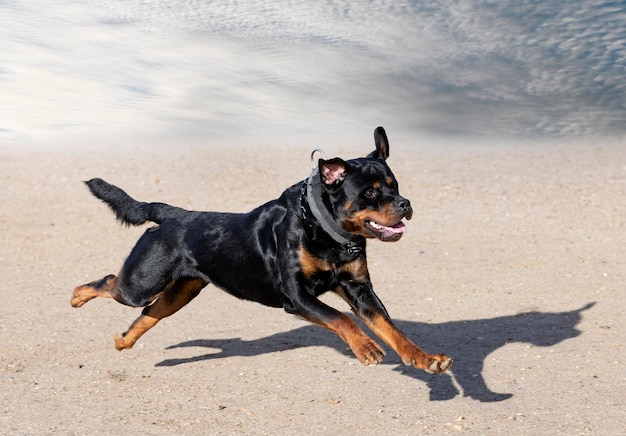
370,193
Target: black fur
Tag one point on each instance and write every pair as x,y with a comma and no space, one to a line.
279,254
128,210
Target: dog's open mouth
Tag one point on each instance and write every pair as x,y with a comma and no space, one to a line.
386,233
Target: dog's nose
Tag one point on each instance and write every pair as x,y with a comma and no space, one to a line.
404,207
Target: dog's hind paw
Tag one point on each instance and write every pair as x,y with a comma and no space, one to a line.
82,294
121,343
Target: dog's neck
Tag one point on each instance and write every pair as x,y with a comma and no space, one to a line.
310,195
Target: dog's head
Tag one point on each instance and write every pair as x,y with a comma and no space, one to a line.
363,193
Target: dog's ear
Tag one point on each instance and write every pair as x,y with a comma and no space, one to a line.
382,145
332,170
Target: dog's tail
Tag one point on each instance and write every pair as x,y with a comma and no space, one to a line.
128,210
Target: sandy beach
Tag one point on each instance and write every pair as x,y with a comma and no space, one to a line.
513,264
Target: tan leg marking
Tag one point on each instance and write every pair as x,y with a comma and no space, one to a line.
410,353
99,288
364,348
167,303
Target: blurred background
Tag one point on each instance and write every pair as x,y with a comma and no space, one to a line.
309,73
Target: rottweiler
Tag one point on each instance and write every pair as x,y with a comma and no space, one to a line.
284,254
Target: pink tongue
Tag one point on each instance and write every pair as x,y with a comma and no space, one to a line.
397,228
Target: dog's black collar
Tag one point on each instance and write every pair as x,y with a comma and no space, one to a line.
350,244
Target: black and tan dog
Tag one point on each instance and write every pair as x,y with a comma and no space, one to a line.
284,253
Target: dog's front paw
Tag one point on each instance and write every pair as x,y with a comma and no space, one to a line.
431,363
368,352
440,363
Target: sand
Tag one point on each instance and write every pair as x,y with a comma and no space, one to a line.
513,264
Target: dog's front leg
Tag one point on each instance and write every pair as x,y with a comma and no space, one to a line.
367,306
307,306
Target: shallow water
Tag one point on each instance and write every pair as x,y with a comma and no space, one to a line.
307,73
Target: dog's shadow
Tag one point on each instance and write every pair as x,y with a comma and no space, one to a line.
468,342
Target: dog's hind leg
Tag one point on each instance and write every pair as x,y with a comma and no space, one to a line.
106,287
99,288
168,302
